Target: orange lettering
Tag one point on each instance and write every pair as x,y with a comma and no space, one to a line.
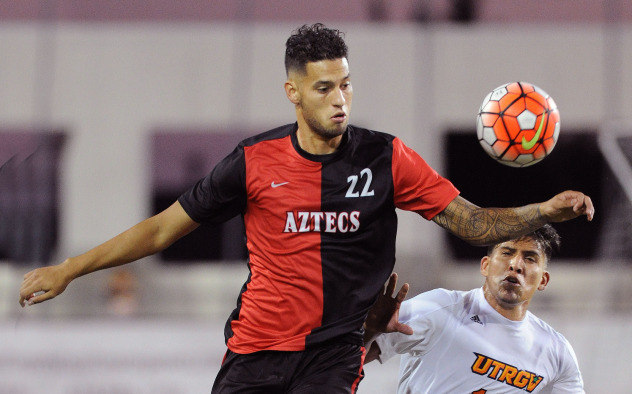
497,367
534,382
478,366
522,378
508,374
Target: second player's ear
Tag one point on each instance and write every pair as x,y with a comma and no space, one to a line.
484,265
291,91
544,281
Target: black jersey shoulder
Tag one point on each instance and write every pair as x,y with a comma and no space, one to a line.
360,138
361,134
274,134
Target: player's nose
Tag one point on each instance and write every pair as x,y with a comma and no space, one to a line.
338,98
516,264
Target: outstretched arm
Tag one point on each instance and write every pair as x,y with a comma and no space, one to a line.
384,316
485,226
147,237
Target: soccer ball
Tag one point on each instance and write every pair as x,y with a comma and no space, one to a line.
518,124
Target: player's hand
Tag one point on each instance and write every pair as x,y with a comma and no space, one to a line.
568,205
384,315
48,282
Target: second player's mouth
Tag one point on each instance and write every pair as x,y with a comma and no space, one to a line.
339,117
512,280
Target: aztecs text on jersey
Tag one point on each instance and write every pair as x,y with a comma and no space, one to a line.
320,230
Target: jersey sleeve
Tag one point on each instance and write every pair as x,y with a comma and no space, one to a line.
426,314
220,195
417,186
570,378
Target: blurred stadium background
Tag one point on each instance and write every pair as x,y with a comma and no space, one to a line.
109,110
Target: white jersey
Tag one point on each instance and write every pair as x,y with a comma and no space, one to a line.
462,345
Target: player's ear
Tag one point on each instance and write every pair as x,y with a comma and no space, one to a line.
485,266
291,91
544,281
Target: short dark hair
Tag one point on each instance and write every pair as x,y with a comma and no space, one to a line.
312,44
546,237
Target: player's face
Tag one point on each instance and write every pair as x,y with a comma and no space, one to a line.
513,272
323,97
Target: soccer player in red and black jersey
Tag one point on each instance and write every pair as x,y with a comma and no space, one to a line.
318,199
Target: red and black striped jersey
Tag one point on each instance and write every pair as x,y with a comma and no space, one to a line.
320,230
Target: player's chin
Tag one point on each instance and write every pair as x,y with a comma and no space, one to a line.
510,295
334,131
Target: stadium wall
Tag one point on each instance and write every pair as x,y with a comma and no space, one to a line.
108,84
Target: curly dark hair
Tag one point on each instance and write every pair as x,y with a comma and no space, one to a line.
546,237
311,44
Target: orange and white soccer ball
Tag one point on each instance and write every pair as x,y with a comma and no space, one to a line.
518,124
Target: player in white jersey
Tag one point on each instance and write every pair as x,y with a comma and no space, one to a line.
483,340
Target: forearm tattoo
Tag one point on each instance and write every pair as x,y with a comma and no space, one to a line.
486,226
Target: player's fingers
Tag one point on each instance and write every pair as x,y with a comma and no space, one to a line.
41,297
404,328
27,295
27,283
585,206
390,287
28,275
590,208
33,277
32,285
578,205
401,295
28,287
24,289
25,292
572,197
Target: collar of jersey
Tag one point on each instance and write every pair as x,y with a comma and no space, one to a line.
344,143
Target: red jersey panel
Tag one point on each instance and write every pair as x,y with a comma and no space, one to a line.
320,231
277,188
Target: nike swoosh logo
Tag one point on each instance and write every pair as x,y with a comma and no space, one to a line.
278,184
526,145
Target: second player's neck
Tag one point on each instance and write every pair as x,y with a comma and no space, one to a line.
511,312
313,143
